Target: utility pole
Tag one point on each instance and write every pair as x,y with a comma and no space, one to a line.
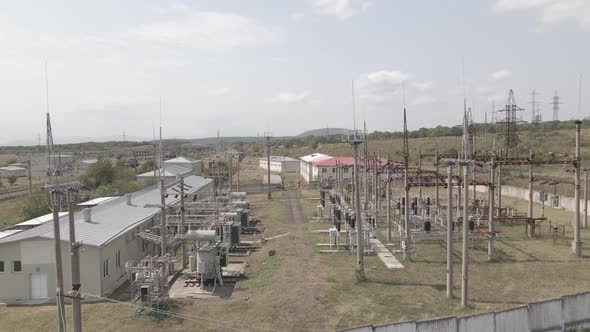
450,229
61,314
436,169
531,228
388,197
30,178
406,247
163,220
182,221
359,224
238,184
577,245
268,135
231,174
586,170
376,193
74,263
491,199
465,261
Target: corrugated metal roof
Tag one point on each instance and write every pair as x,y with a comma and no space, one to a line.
9,232
279,158
170,171
181,160
97,201
40,220
314,157
110,219
12,168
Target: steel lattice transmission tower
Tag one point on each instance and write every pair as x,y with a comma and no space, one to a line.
510,125
556,101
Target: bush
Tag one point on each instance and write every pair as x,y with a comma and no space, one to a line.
34,206
11,179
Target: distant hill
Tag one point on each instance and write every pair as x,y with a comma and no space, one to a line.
324,132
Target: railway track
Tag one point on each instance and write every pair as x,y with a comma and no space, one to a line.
293,209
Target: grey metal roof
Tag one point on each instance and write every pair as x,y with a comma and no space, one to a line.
181,160
170,171
110,219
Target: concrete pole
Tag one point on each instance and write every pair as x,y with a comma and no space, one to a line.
586,197
268,164
182,225
465,260
231,172
436,187
357,211
531,228
577,245
407,213
388,197
163,219
75,266
30,177
238,184
491,199
365,182
420,179
499,191
450,230
459,193
375,193
61,314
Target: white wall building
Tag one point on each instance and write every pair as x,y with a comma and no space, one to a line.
186,162
280,164
12,171
108,239
306,168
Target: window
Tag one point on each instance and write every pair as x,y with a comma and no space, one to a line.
324,170
118,259
346,170
1,266
105,268
333,170
17,266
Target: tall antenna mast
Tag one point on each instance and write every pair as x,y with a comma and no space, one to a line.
580,97
353,111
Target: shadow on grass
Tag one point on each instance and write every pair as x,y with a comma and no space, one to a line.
379,281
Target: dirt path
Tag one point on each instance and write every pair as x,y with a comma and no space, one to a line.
293,209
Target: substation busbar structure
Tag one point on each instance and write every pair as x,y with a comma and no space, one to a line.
496,162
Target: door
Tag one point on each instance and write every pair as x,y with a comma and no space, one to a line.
38,286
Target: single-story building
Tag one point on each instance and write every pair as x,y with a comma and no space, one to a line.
327,169
83,165
108,237
186,162
281,164
12,171
168,172
306,166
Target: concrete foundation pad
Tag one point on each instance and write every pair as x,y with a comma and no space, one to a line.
385,255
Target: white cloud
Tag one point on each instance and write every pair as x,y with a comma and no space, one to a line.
366,5
220,91
296,17
341,9
383,81
423,85
483,90
497,97
422,100
206,30
501,74
287,98
552,11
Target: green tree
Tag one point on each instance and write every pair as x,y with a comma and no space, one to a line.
33,206
146,166
11,179
101,173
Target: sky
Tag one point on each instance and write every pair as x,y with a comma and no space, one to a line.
285,66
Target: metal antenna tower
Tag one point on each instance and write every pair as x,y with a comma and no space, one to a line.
556,102
510,123
536,117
